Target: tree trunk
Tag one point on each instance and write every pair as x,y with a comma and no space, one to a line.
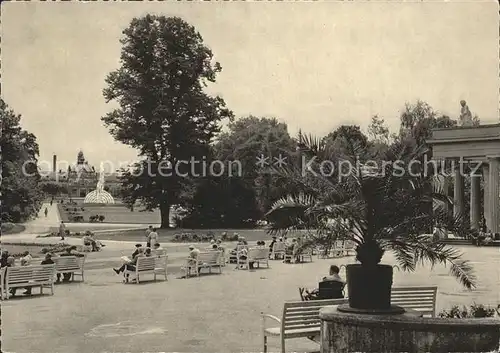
165,214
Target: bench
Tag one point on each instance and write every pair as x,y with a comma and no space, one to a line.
155,265
278,251
29,276
299,319
70,264
161,266
256,255
306,253
206,259
421,299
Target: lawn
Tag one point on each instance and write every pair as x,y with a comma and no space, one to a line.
117,213
12,228
167,235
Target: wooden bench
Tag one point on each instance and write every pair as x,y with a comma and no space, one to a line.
299,319
144,265
421,299
29,276
206,259
257,256
70,264
161,266
302,256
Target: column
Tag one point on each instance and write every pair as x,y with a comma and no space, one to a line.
486,197
475,200
493,192
458,202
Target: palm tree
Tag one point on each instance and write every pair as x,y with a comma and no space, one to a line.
381,208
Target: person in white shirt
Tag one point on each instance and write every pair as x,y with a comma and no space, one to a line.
153,238
26,259
158,250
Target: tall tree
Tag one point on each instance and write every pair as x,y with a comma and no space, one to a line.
251,138
418,120
21,195
347,139
164,110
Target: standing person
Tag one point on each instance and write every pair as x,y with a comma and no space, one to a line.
62,230
46,211
51,201
153,238
148,231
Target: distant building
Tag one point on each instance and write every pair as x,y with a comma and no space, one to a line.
81,178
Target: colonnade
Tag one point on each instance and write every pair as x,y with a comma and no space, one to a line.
489,170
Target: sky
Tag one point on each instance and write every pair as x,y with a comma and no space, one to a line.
312,65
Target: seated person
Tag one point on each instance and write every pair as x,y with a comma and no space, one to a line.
243,256
71,251
158,250
331,287
130,264
26,259
334,274
137,246
488,238
191,262
89,240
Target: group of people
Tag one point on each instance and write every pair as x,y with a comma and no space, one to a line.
291,248
6,260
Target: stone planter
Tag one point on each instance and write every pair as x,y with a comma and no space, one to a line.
347,332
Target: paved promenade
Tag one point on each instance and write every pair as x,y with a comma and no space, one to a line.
216,313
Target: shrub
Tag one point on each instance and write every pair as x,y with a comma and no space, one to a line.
7,226
78,218
101,218
475,311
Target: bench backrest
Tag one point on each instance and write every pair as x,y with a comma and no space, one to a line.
305,314
421,299
36,273
260,253
145,263
209,257
331,290
67,263
279,246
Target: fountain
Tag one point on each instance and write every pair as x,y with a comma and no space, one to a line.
99,195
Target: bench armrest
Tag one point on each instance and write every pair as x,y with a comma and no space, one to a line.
267,316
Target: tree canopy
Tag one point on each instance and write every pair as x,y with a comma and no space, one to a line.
164,111
21,196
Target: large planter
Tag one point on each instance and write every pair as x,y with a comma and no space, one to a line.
369,287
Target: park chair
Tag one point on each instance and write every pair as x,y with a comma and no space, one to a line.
331,290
